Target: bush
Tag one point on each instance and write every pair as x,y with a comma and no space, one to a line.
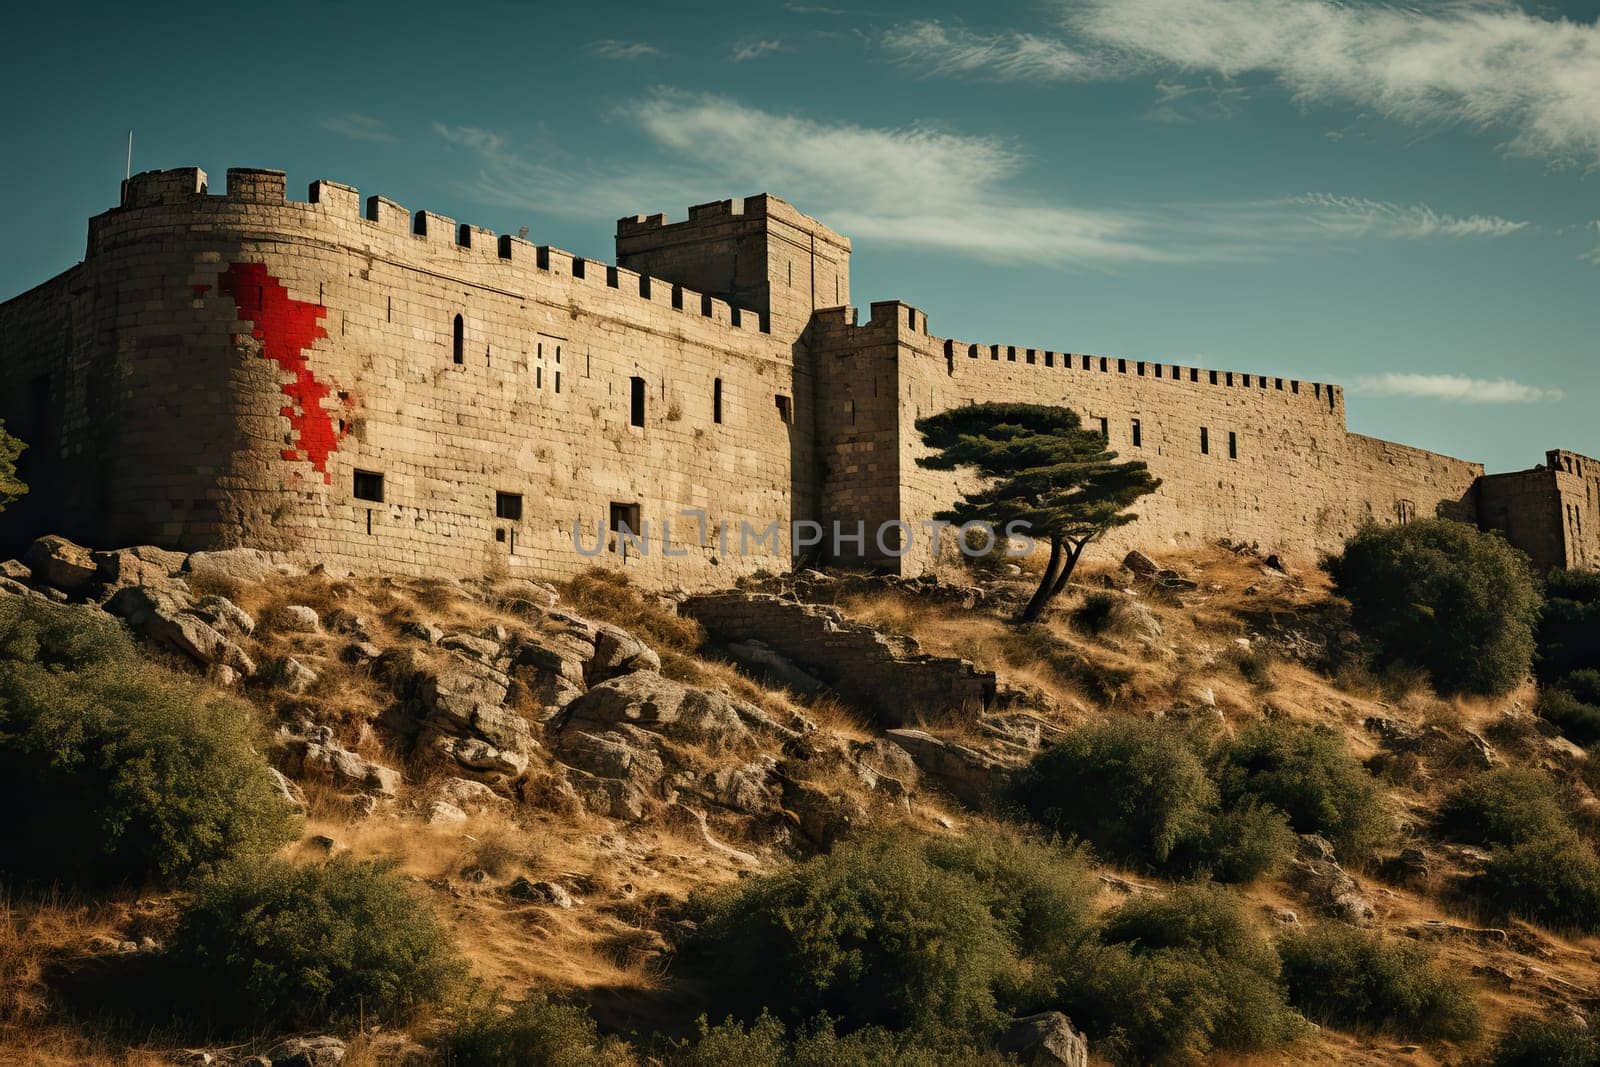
1352,978
1443,596
278,944
538,1033
871,934
1569,625
1201,936
114,769
1552,880
1583,685
1503,807
1577,719
1134,789
1245,842
762,1044
1531,1042
1306,772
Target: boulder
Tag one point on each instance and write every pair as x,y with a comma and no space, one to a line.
16,570
566,653
290,675
289,791
468,795
626,754
774,667
1140,564
140,565
472,647
616,651
161,616
648,700
224,615
57,562
308,1052
296,619
249,566
965,773
531,892
320,756
1045,1039
423,631
442,811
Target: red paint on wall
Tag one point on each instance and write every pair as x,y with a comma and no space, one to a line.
287,329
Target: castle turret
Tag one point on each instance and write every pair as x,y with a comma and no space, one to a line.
757,252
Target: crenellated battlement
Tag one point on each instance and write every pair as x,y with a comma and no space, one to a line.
187,187
911,324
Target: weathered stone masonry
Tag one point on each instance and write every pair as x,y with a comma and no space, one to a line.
387,391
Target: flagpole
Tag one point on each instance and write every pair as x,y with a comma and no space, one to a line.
128,171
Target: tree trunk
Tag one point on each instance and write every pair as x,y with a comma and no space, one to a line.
1068,568
1042,595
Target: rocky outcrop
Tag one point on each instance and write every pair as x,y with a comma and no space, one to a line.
1045,1040
57,562
162,615
886,674
965,773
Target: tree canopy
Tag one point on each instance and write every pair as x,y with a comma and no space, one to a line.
1042,471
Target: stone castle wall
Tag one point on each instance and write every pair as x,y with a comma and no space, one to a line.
244,356
351,383
1241,455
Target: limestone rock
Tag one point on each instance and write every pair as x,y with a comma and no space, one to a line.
1045,1040
290,675
224,615
140,565
647,699
308,1052
160,615
296,619
320,756
249,566
441,811
549,893
472,646
61,563
423,631
468,795
289,791
16,570
616,651
967,774
1139,563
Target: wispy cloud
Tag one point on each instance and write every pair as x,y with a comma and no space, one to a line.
932,47
357,127
1483,63
749,50
1456,388
1351,216
922,187
1593,255
1480,62
611,48
1177,102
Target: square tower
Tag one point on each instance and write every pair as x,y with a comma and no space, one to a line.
757,252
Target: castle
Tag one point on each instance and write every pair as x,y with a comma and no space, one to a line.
379,390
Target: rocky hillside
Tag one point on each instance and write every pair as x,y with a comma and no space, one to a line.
560,770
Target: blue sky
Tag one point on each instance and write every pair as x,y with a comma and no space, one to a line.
1402,200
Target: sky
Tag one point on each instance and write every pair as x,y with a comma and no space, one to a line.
1403,200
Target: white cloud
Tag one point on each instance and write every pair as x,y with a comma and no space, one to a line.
357,127
932,47
1455,388
755,49
615,49
1479,62
1351,216
1485,63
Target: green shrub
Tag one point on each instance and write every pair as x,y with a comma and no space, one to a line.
114,769
1569,625
871,934
1584,685
1532,1042
763,1044
278,944
1575,718
1553,880
1443,596
538,1033
1256,665
1203,937
1352,978
1506,806
1134,789
1306,772
1245,842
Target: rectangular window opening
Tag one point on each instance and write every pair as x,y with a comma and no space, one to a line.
369,486
508,506
1233,445
1205,441
785,408
636,416
716,400
1138,437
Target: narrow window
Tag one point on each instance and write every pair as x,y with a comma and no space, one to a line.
850,411
626,528
458,349
538,377
508,506
785,408
369,486
1138,441
1330,398
1233,445
637,416
1105,428
716,401
1205,441
558,381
